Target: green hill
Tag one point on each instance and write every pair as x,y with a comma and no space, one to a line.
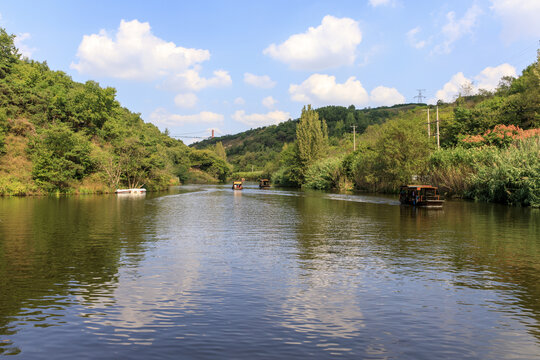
488,146
258,147
57,135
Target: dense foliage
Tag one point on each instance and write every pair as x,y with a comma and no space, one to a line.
258,149
57,135
489,146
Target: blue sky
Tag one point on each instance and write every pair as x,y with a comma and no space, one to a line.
233,65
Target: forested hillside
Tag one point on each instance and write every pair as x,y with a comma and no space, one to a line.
257,147
57,135
489,146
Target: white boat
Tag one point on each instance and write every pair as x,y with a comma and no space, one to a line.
131,191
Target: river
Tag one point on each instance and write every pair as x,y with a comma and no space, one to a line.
204,272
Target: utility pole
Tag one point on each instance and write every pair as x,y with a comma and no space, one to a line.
354,137
420,96
438,142
428,124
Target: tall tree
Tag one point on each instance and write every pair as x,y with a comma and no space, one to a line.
220,151
311,139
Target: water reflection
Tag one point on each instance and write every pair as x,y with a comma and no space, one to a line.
206,271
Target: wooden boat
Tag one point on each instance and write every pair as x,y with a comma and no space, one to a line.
264,184
237,185
420,195
140,191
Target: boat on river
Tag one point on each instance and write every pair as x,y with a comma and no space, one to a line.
264,184
421,195
237,185
140,191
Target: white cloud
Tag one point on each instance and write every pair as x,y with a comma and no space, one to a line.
520,18
258,120
376,3
331,44
453,87
162,117
134,53
24,49
239,101
454,29
411,37
321,89
489,78
262,81
190,80
385,96
269,102
186,100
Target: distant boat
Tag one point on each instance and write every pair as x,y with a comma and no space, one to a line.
264,184
237,185
130,191
420,195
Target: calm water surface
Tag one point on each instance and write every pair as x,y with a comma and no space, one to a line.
205,272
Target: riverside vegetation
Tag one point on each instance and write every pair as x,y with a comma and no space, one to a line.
60,136
490,146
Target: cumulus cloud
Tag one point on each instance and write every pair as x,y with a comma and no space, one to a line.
519,17
186,100
134,53
321,89
160,116
385,96
455,29
239,101
269,102
453,87
190,80
411,37
487,79
262,81
258,120
331,44
24,49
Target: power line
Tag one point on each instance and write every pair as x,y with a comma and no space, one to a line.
188,137
194,132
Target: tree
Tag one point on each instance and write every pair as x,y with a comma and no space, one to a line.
8,53
220,151
208,161
60,156
398,150
311,140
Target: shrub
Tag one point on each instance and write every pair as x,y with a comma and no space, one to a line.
60,156
511,176
325,174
